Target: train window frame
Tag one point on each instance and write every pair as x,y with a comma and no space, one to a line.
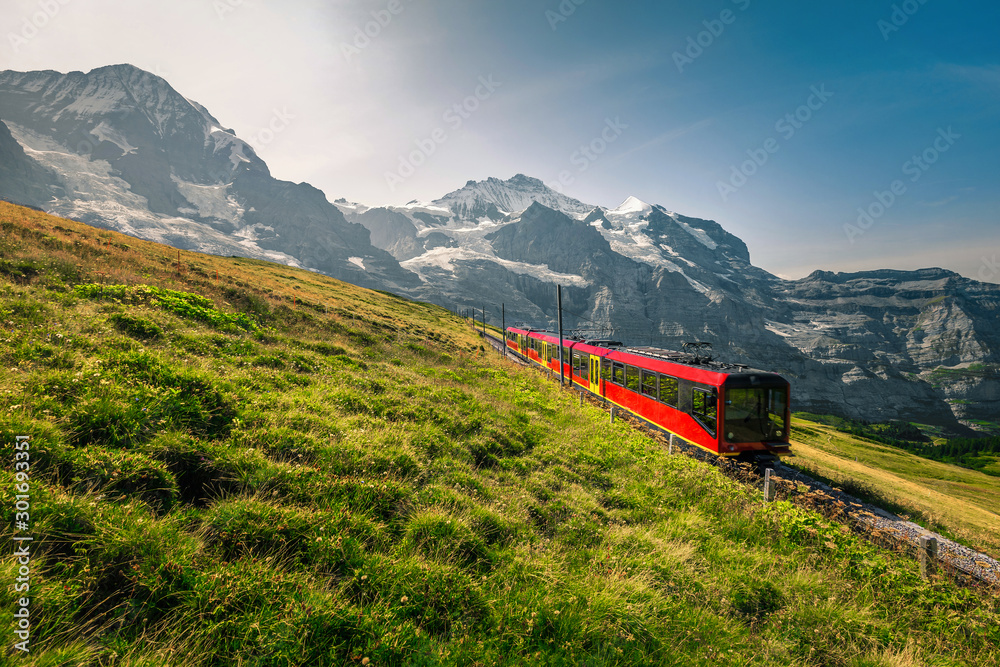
618,374
709,421
669,381
655,383
606,366
633,378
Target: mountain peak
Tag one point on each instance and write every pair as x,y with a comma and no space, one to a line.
513,195
632,205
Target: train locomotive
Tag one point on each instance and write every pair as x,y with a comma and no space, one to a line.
730,411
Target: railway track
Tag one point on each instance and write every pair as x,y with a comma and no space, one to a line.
873,522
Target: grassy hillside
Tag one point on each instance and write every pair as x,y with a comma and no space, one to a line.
270,467
963,503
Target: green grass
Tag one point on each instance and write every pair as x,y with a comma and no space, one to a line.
352,478
959,502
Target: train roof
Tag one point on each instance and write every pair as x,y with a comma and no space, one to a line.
706,369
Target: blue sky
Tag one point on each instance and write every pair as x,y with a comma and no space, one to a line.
779,120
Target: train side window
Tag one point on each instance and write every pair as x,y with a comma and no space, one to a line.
668,390
632,378
649,383
704,407
584,370
606,370
619,375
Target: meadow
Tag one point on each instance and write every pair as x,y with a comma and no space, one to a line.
958,502
241,463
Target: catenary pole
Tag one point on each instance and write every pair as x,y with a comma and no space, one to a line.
562,371
503,325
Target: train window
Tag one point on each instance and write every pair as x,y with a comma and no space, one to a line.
606,370
619,375
632,378
704,407
584,370
668,390
649,383
756,415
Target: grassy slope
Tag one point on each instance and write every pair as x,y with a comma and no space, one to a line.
352,479
964,503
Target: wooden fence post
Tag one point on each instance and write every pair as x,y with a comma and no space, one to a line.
670,448
612,414
768,485
928,552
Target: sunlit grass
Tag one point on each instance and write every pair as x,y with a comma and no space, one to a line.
961,502
354,478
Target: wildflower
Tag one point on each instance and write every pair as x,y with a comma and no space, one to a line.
404,599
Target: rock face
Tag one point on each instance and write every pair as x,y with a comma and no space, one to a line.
119,148
22,179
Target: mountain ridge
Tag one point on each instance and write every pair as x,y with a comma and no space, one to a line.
120,148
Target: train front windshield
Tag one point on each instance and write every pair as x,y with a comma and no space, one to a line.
756,415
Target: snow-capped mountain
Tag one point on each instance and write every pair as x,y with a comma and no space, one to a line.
869,345
119,148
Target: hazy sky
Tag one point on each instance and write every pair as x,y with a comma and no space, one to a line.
779,120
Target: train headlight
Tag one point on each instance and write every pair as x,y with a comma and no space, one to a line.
780,434
731,436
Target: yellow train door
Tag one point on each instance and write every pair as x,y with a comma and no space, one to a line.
595,374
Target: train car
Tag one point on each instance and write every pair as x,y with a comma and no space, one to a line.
728,410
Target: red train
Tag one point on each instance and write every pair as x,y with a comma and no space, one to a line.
731,411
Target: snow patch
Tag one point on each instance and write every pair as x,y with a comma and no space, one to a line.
210,201
444,258
358,262
105,132
699,234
